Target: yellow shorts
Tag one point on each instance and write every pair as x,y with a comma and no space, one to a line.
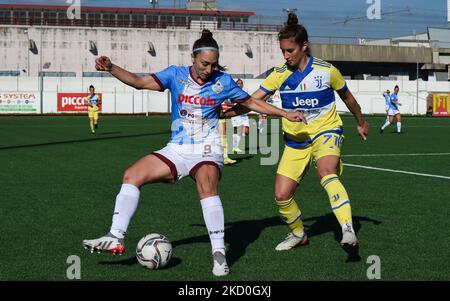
93,112
295,162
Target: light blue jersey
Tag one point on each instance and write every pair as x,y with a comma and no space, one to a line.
393,102
196,107
387,98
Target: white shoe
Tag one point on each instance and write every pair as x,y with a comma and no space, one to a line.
348,237
108,243
220,267
238,150
291,241
228,161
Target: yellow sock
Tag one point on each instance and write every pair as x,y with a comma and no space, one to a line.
223,141
291,214
91,123
339,200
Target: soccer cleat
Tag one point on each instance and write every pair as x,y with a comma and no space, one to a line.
108,243
228,161
238,150
291,241
349,239
220,267
96,126
381,130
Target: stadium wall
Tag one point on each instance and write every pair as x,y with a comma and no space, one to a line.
119,98
73,49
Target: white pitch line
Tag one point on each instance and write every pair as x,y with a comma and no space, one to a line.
398,171
396,155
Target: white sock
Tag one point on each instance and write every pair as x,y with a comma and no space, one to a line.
235,140
346,226
399,127
215,222
126,204
261,125
385,125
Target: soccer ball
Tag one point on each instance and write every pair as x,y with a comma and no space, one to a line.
154,251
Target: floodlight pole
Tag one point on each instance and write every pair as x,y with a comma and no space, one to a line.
41,79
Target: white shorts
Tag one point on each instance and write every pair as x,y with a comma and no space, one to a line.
184,163
241,120
392,112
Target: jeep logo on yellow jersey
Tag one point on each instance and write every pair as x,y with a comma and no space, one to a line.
312,102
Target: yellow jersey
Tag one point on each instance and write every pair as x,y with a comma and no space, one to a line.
310,92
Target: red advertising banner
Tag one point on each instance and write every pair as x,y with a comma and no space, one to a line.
75,102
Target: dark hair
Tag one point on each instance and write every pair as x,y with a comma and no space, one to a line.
293,30
91,86
207,41
396,87
239,80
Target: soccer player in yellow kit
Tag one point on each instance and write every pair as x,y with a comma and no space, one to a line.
307,85
92,101
223,134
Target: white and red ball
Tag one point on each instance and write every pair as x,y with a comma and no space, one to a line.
154,251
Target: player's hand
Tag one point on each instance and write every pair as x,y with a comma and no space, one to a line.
363,130
103,63
296,117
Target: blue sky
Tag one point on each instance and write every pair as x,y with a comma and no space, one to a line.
337,18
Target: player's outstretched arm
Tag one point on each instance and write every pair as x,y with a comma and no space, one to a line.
103,63
236,110
240,109
260,106
351,103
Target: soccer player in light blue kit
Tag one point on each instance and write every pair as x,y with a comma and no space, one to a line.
387,99
393,112
194,149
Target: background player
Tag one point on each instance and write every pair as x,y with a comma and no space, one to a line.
241,125
92,101
387,100
194,148
393,112
226,105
